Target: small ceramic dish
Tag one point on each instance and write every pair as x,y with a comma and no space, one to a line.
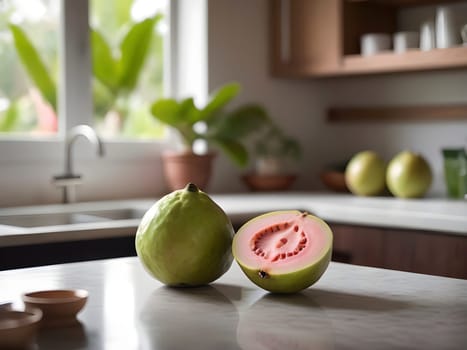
59,307
334,180
6,306
268,182
18,328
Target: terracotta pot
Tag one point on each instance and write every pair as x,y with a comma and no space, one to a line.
184,167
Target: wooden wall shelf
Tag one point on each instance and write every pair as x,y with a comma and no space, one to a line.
321,38
409,61
408,2
402,113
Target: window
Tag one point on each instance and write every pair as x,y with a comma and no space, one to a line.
131,165
126,72
28,162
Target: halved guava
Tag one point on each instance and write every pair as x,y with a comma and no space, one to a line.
283,251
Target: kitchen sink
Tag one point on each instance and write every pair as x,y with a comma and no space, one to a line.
73,214
53,219
50,219
120,214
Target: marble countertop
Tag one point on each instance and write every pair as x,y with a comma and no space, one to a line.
350,307
430,214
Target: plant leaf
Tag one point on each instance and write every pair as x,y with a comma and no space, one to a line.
174,113
234,150
102,97
167,111
243,121
10,118
34,65
177,115
188,111
219,99
104,66
134,49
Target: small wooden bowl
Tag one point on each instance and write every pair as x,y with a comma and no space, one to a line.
269,182
59,307
18,329
334,180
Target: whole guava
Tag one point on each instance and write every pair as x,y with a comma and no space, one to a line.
185,239
365,174
408,175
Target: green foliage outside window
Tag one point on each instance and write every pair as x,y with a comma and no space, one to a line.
127,71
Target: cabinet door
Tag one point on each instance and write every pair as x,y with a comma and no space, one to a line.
417,251
358,245
426,252
305,36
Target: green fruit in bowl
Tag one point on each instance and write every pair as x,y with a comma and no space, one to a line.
283,251
408,175
365,174
185,239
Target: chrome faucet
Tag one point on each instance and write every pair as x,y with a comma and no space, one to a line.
68,181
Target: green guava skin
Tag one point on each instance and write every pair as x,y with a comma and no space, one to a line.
291,282
365,174
185,239
408,175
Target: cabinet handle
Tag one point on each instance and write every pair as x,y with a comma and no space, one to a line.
285,30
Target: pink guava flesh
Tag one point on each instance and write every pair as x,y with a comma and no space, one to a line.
282,242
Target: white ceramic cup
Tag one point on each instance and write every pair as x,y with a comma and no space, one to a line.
446,33
464,34
402,41
427,36
373,43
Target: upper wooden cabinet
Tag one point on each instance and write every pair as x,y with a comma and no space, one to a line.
321,38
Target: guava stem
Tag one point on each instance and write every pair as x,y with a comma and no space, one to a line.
263,274
191,187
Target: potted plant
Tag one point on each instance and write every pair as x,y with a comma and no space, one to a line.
224,130
273,153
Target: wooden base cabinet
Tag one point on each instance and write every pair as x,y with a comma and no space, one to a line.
425,252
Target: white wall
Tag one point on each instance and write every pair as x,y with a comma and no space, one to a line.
125,171
238,50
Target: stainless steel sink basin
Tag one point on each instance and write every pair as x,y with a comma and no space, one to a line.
59,215
119,214
50,219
